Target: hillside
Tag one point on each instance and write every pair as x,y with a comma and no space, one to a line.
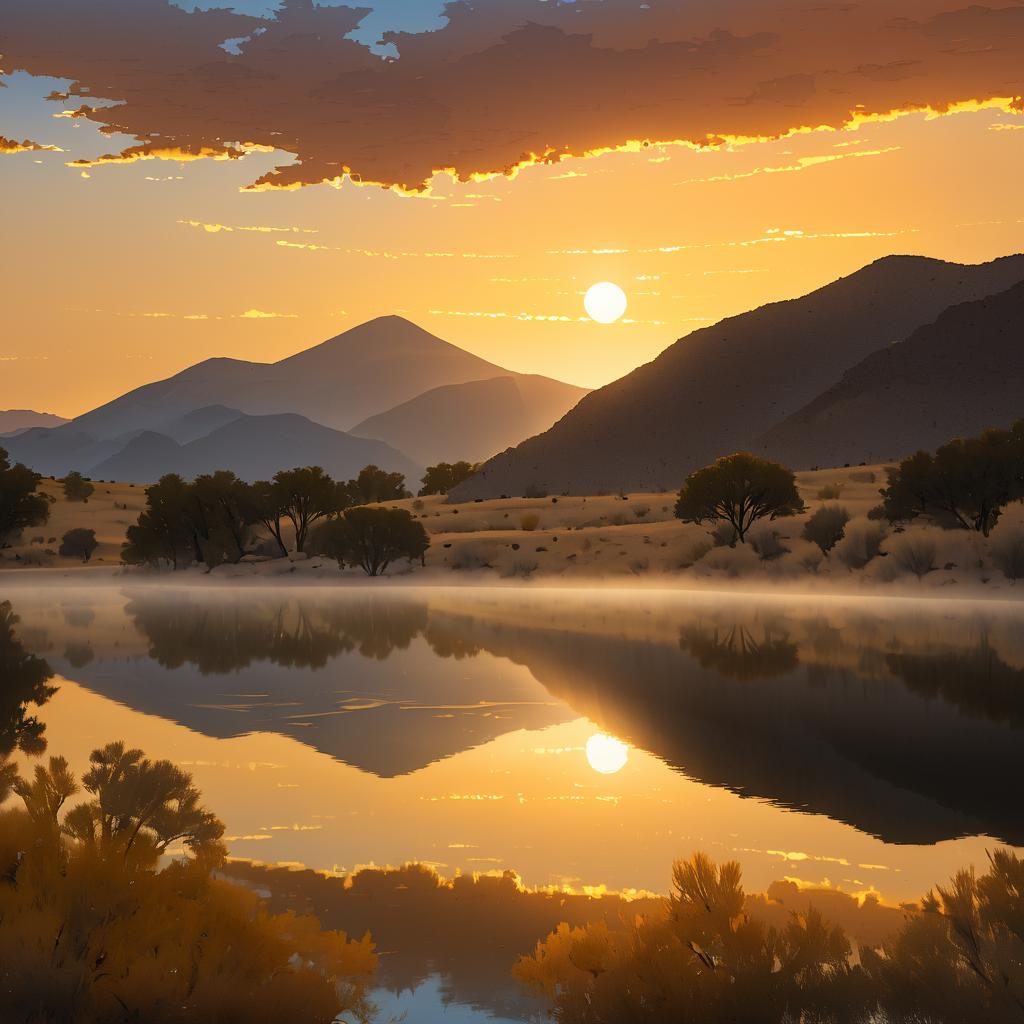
719,388
472,421
254,447
951,378
339,383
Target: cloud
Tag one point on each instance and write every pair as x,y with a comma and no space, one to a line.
504,85
8,146
259,314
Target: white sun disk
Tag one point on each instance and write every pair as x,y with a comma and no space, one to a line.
605,302
606,754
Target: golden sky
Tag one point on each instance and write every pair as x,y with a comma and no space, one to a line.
117,273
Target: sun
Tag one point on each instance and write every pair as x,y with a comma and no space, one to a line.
606,754
605,302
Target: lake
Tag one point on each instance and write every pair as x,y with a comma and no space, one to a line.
582,739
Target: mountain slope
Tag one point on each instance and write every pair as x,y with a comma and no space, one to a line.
951,378
16,420
254,447
472,421
715,390
341,382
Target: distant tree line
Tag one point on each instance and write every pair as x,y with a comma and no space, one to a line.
965,484
212,519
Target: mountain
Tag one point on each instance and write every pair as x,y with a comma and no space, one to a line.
58,450
472,421
255,448
339,383
951,378
718,389
14,421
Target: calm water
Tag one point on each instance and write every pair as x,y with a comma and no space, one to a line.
581,739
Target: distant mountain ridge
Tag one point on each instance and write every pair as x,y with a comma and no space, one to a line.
722,388
13,421
341,382
393,379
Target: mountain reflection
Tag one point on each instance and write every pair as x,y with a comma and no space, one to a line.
903,724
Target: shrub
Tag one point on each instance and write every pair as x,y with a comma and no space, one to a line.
440,479
78,543
723,536
826,527
1007,550
739,489
529,521
695,554
77,487
830,492
94,922
861,543
521,568
641,511
766,542
915,552
469,556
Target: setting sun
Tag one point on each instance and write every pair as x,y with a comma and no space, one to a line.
606,754
605,302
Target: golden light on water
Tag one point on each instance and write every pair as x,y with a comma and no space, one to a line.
606,754
605,302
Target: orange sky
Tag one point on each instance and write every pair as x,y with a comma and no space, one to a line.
117,275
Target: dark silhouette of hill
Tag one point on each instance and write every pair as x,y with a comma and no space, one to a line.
950,378
339,383
253,447
13,421
201,422
474,420
719,388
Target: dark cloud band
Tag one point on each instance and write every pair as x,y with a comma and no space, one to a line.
506,83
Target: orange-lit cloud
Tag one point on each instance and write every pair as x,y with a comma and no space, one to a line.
9,146
505,85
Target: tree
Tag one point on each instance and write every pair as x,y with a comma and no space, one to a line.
826,527
374,485
165,529
739,489
372,538
965,484
306,495
21,505
265,504
94,927
440,479
78,543
219,512
77,488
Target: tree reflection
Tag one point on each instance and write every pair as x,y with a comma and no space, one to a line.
220,636
23,682
737,652
977,682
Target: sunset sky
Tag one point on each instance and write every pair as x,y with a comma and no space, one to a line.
706,157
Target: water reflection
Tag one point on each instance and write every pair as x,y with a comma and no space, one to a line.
901,722
24,679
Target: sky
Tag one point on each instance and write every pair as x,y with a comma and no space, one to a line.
179,184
